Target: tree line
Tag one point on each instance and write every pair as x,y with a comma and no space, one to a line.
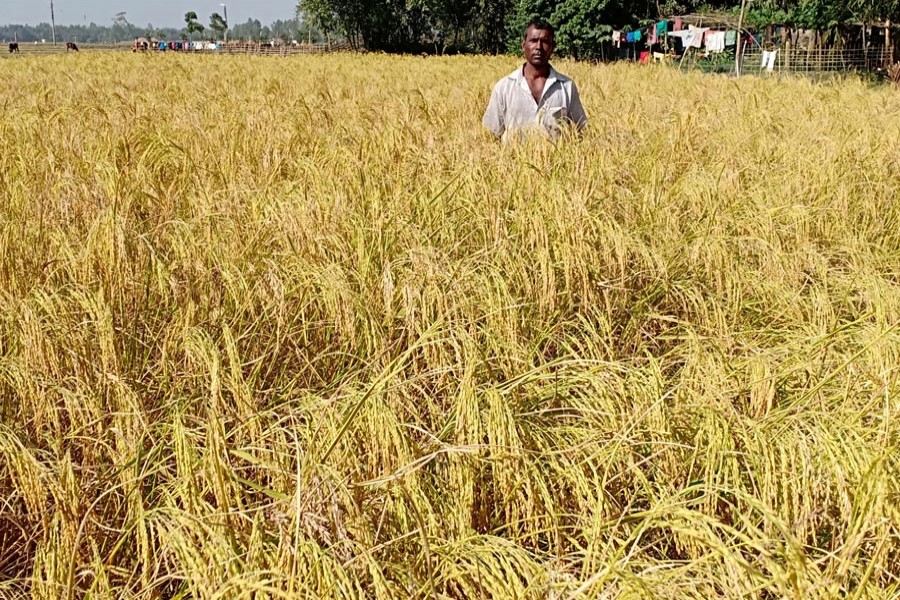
583,26
286,31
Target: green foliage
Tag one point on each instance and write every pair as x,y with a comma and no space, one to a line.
407,24
722,62
442,21
804,14
252,29
192,26
218,24
583,26
85,34
524,11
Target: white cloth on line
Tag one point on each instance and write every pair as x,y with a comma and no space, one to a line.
715,41
696,38
768,59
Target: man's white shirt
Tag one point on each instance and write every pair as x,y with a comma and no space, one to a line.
512,107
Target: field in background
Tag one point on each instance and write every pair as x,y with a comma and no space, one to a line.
31,49
300,329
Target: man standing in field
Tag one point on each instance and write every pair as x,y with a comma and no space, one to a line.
535,96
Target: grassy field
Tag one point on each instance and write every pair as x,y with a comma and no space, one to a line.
299,329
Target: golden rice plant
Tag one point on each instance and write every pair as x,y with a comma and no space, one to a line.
298,328
893,73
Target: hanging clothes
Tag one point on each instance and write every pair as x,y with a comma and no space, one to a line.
629,37
730,37
651,36
645,56
715,41
617,39
637,35
679,25
768,60
661,29
679,40
694,39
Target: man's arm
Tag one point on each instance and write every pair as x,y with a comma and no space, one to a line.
576,110
493,116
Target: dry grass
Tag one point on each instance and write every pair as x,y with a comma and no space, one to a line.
298,328
893,74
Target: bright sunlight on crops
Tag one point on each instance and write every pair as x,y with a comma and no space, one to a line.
297,328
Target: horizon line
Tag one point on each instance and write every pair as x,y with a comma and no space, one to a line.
82,24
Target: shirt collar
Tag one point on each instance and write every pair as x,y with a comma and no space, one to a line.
519,77
519,74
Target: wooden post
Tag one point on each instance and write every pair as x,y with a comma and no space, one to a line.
740,38
888,46
865,46
786,49
683,56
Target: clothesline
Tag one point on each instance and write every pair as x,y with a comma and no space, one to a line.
693,37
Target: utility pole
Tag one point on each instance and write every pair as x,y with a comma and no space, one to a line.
737,50
225,10
52,22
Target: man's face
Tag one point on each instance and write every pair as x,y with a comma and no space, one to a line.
538,46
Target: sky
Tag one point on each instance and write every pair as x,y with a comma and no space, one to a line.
161,13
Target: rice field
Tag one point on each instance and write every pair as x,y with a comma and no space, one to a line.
299,328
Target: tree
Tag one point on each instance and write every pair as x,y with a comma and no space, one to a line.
321,14
581,27
247,31
520,14
217,24
374,24
442,21
120,23
152,32
307,31
489,24
192,25
348,17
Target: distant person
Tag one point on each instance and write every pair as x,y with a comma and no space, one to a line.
535,96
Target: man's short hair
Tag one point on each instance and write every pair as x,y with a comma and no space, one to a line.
539,24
